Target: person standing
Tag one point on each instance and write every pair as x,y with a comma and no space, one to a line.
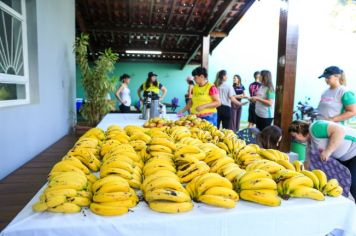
264,100
227,96
153,86
328,140
253,88
123,94
236,108
189,94
205,98
337,103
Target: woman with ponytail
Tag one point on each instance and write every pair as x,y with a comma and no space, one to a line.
337,103
227,96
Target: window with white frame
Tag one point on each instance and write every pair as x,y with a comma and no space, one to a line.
14,79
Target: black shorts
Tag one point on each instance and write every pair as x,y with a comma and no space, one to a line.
124,109
252,113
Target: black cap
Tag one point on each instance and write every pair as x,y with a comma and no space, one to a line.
331,70
150,74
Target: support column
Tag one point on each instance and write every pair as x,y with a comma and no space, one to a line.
205,51
286,70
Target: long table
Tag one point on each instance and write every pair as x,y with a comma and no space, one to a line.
294,217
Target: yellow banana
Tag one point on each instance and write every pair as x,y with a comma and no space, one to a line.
171,207
39,207
111,197
307,192
164,183
115,171
167,194
57,192
264,197
108,179
213,181
233,174
322,178
223,146
219,163
80,201
138,145
259,183
86,194
107,210
337,191
159,174
254,174
74,162
66,207
53,201
202,168
286,164
91,178
157,168
312,176
218,201
124,203
119,164
223,192
113,187
298,165
285,174
292,183
280,189
159,148
267,154
164,142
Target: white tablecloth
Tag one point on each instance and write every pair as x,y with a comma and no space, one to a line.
123,119
295,217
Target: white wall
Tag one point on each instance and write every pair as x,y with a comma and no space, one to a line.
27,130
252,45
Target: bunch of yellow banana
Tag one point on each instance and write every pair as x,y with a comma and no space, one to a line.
273,155
232,145
213,189
107,145
258,186
202,135
247,158
190,169
86,156
66,192
70,165
230,170
204,125
188,151
115,132
132,129
89,144
212,153
327,187
124,163
157,163
267,165
112,196
161,145
95,133
179,132
164,193
299,186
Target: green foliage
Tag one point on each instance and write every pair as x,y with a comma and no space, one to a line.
95,80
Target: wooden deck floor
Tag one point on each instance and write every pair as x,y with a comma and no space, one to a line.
17,189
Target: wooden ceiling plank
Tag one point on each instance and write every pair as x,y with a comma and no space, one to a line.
168,21
191,13
192,55
151,12
108,10
143,31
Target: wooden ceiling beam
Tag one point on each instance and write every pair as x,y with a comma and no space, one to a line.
144,31
218,34
224,10
191,13
168,21
192,55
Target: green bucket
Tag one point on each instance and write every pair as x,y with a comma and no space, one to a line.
300,149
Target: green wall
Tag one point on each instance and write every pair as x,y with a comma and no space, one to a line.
170,75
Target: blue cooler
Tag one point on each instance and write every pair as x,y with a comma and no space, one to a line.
79,103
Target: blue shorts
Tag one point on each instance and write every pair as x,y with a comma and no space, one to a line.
213,118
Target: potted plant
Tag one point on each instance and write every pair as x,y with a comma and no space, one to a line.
95,81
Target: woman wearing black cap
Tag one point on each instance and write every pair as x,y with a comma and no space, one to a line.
152,85
123,94
337,103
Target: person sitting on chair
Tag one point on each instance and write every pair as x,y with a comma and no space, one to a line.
328,140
